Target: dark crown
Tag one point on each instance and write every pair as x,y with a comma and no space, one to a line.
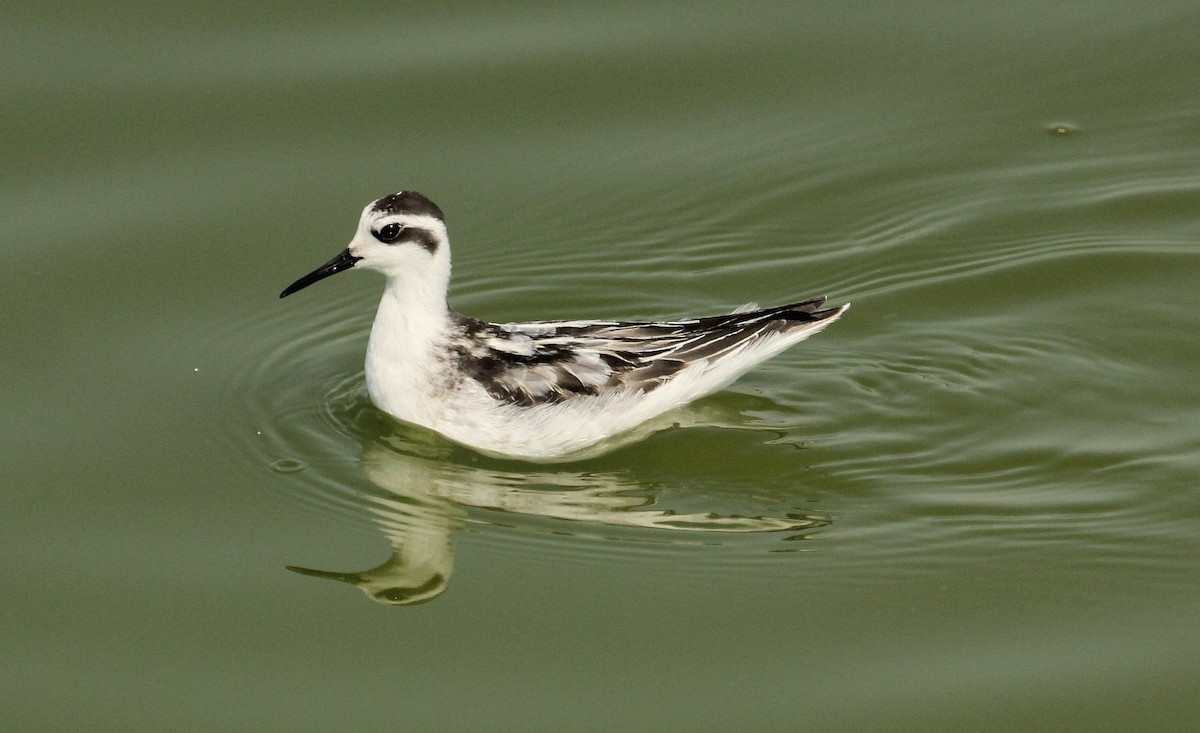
408,202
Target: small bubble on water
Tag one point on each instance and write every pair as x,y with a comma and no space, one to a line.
1062,129
287,465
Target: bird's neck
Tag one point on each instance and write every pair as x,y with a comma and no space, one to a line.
406,342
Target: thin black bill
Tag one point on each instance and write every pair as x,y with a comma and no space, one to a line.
351,578
344,261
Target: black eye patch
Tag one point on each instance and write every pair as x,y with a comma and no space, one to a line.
389,233
393,233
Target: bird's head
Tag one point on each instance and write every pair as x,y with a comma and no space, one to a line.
402,235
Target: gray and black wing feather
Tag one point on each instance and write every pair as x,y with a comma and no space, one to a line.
547,362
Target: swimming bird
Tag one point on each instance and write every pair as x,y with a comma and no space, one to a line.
544,390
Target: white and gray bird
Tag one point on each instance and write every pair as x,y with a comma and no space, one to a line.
546,390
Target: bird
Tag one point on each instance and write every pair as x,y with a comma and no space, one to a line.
540,391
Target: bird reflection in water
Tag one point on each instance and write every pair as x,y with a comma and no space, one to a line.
425,500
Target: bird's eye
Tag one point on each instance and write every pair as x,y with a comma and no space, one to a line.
389,233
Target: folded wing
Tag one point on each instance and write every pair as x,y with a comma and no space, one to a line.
547,362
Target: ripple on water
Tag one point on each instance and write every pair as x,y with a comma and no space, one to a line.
942,412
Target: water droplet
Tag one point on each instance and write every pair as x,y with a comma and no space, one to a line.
288,465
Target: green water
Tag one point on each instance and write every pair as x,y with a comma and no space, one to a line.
972,504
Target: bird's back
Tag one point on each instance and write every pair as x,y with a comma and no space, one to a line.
556,386
527,364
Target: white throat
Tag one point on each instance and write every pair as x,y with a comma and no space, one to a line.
402,365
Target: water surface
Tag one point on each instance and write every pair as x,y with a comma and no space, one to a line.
971,504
